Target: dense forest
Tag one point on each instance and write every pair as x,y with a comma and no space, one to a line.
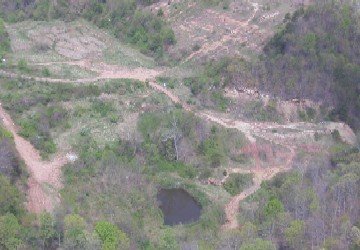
316,56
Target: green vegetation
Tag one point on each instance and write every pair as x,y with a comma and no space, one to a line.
10,198
111,237
236,183
11,166
125,19
175,141
9,232
223,3
130,140
35,107
208,86
296,203
37,128
23,66
257,111
4,40
314,55
258,244
317,51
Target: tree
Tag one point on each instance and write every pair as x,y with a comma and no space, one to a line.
74,229
10,198
46,228
174,133
22,65
9,230
111,236
168,240
231,239
258,244
355,236
4,39
248,231
273,208
294,234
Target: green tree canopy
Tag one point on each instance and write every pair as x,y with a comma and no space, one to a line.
10,198
9,232
168,240
74,229
258,244
111,236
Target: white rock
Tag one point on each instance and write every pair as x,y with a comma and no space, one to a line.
71,156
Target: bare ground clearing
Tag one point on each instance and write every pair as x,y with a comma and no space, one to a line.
238,28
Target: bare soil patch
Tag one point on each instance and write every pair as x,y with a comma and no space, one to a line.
41,172
212,32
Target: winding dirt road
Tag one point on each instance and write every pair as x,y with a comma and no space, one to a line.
50,172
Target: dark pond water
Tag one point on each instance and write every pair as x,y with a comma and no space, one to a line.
178,206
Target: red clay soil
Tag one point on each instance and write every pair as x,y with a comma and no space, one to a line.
42,173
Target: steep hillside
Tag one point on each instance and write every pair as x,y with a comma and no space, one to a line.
211,29
314,56
317,56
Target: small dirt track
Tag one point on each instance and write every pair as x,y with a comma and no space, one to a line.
260,175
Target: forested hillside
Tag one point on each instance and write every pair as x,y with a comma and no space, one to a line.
314,207
316,55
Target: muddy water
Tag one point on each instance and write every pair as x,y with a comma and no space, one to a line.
178,206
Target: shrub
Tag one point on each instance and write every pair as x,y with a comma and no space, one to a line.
46,72
111,236
22,65
236,183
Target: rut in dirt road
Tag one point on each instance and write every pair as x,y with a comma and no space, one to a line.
44,180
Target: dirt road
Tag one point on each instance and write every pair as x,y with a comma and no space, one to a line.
44,175
259,175
49,172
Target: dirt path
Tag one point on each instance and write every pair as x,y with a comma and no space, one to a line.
232,35
44,175
104,71
49,172
256,9
256,129
260,175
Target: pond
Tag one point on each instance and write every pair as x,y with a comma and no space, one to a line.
178,206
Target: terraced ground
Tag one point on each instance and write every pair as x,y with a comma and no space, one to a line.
238,28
